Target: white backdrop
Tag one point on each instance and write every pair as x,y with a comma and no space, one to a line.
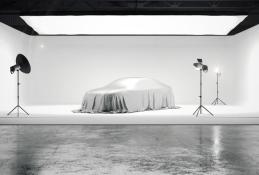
247,46
65,67
12,43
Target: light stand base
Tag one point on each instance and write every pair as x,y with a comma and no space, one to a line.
18,111
18,107
199,111
217,101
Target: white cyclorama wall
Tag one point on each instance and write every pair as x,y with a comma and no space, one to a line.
12,42
247,46
65,67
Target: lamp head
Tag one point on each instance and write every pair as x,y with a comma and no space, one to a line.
200,66
197,66
14,68
205,68
199,60
22,64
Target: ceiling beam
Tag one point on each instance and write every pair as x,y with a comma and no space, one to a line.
250,21
128,7
17,23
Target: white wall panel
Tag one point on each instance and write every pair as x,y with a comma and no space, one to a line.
12,42
65,67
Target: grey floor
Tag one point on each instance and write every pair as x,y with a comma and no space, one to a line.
129,149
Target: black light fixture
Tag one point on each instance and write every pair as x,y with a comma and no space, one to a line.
218,100
23,65
202,68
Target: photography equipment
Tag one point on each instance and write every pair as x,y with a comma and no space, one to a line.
202,68
218,100
23,65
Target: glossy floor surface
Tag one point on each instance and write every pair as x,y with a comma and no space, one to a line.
129,149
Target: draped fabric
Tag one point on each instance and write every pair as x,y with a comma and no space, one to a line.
128,95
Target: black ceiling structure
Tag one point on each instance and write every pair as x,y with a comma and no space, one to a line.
249,22
17,23
11,10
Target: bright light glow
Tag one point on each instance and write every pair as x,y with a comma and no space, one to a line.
217,70
42,46
145,25
217,146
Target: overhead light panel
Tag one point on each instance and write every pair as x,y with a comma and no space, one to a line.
133,25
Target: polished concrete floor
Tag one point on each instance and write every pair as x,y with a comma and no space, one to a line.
129,149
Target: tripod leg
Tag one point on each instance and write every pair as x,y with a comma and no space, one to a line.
196,110
214,102
199,111
207,110
12,110
24,110
222,102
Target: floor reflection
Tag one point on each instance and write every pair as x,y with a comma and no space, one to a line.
129,149
217,145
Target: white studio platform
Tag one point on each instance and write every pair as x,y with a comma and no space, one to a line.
62,114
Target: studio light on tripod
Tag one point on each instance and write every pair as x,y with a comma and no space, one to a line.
218,100
203,69
23,65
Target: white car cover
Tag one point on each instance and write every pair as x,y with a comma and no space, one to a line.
128,95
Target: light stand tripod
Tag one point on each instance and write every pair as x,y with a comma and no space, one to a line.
18,107
199,109
217,100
